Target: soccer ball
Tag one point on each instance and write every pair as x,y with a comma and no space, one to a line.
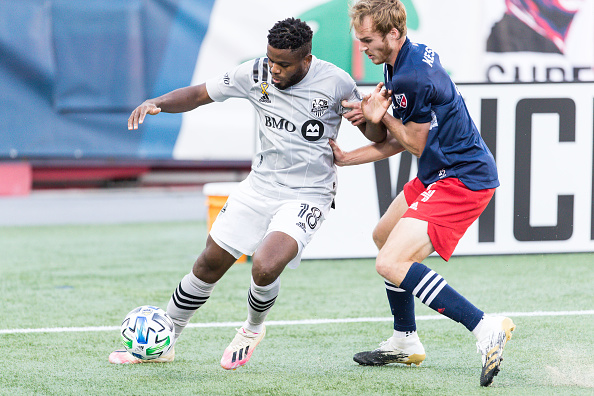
147,332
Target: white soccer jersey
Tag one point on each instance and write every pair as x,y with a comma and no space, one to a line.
295,160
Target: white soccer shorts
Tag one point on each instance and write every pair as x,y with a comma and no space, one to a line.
248,217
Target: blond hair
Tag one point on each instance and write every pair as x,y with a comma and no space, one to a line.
385,15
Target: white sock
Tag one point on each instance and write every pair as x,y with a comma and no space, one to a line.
481,328
190,294
260,302
402,334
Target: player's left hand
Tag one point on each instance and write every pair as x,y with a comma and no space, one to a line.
375,105
354,114
139,113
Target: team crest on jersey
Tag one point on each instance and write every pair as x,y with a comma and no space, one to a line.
319,107
400,101
264,98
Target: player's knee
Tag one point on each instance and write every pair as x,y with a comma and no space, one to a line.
382,265
262,272
378,238
263,278
203,266
211,267
390,268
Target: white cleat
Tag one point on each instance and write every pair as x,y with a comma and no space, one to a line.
408,350
492,344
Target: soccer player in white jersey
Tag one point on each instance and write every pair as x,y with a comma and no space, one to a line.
287,195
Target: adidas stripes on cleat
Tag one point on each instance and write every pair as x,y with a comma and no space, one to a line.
491,347
241,348
123,357
407,351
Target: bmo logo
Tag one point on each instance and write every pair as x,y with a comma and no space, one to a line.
281,124
312,130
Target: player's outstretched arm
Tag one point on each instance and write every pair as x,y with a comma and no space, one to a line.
412,136
177,101
370,153
374,132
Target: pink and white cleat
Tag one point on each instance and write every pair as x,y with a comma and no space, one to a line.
122,356
241,348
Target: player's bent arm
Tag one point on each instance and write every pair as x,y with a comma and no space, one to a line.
375,132
370,153
177,101
354,115
412,136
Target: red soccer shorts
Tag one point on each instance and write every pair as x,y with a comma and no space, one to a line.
448,206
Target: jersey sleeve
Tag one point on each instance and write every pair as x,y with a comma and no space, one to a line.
347,91
417,93
235,83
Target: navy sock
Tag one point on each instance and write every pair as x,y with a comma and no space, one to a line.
435,292
402,304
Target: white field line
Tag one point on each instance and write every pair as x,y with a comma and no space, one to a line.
293,322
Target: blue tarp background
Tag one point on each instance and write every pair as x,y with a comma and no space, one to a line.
71,72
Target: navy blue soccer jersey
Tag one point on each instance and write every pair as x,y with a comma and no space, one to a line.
422,92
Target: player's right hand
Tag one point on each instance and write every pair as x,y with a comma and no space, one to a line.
339,155
137,116
352,112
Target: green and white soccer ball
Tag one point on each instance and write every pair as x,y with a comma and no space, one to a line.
147,332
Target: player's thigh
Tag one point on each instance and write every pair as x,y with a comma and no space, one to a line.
300,220
243,222
389,220
407,243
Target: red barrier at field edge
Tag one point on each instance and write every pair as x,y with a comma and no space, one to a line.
16,178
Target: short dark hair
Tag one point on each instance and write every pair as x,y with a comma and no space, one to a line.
291,33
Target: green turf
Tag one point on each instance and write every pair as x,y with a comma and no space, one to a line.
78,276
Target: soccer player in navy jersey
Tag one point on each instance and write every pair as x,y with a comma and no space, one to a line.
456,179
